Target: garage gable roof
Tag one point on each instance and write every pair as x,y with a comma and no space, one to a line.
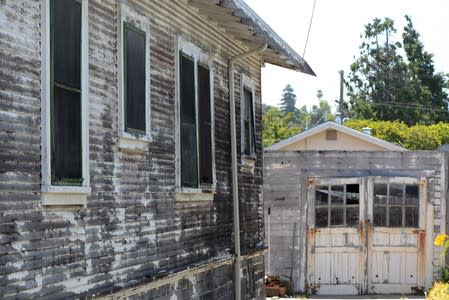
240,21
332,125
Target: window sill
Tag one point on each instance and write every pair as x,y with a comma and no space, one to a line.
132,143
195,195
65,195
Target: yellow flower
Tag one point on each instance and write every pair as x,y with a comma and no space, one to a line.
439,240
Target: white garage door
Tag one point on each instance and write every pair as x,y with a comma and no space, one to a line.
366,235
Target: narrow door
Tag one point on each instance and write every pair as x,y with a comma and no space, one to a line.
335,238
396,235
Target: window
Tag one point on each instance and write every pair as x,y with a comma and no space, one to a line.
65,166
248,134
134,77
396,205
196,146
337,205
66,162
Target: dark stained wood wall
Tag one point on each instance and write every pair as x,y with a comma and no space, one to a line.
132,230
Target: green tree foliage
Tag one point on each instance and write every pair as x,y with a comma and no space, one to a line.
322,113
288,101
427,86
384,85
265,108
278,126
418,137
303,117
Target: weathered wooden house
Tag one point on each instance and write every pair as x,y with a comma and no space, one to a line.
130,153
355,222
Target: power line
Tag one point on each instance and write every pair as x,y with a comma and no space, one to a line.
308,32
399,75
409,105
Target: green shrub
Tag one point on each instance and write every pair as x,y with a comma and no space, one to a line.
418,137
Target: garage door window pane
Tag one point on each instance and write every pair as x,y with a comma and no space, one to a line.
380,216
352,194
321,217
412,194
337,217
412,216
321,195
396,193
352,216
395,216
380,193
337,195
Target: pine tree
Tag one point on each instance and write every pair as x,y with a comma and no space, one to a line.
428,86
288,100
384,85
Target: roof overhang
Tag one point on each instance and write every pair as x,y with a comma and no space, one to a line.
240,21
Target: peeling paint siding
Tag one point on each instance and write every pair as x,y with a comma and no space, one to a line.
285,192
132,230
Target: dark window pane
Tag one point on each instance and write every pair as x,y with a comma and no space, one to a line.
321,195
412,194
412,216
321,217
380,216
380,193
204,119
352,194
189,162
337,194
187,90
248,122
189,159
66,135
66,42
352,216
337,216
395,216
134,52
396,193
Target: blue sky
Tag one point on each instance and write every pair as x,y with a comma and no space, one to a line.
335,38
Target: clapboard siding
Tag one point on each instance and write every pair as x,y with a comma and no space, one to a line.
132,231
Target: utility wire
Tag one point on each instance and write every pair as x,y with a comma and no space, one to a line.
401,75
409,105
308,32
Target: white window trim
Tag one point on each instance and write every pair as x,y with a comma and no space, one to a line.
51,194
248,161
127,140
190,49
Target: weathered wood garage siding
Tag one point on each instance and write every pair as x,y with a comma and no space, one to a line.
285,193
132,230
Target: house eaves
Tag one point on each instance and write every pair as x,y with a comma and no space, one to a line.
242,23
332,125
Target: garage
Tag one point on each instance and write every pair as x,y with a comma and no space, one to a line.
365,235
355,222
